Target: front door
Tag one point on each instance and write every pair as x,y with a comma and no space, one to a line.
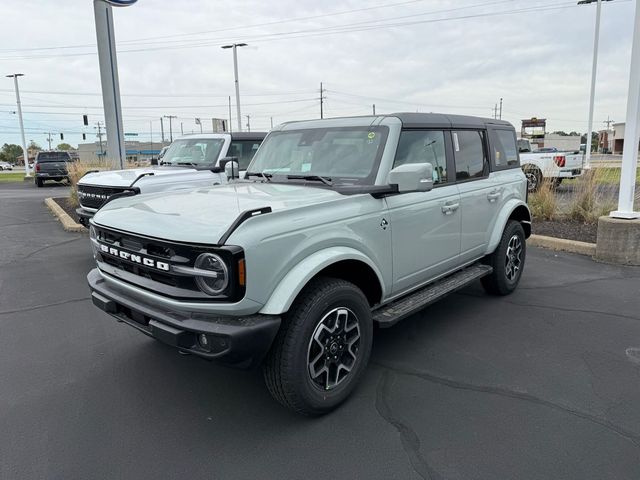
425,226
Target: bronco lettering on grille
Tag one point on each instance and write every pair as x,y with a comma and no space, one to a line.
132,257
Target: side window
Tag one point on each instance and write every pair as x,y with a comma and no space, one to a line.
423,146
505,150
244,150
470,157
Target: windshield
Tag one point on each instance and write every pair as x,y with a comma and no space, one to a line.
194,152
347,155
53,157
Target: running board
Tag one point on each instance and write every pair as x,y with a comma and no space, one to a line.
395,311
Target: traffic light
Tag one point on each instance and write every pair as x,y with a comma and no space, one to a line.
62,136
85,119
84,136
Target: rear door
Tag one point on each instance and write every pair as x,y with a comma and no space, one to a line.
425,226
479,193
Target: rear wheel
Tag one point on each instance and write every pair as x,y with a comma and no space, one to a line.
534,177
322,348
39,182
507,261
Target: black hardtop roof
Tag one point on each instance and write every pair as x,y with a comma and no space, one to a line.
440,120
248,135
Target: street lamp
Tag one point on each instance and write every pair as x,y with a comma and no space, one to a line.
235,71
594,68
24,140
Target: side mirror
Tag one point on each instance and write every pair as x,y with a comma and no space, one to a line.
412,177
154,160
231,167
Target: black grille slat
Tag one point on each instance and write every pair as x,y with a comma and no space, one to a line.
95,197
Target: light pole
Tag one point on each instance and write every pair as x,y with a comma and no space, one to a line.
632,132
24,140
235,72
594,69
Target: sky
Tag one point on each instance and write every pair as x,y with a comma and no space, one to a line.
448,56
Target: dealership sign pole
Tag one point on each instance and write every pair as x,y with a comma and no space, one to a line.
116,152
632,131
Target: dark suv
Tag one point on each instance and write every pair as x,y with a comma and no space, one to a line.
51,166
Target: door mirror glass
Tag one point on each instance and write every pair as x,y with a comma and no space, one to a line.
412,177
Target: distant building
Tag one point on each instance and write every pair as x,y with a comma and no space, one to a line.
605,141
567,143
135,151
618,138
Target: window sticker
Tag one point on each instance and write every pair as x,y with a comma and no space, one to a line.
456,144
371,135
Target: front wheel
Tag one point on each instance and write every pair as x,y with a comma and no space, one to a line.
322,348
507,261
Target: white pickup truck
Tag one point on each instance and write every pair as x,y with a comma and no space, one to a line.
551,166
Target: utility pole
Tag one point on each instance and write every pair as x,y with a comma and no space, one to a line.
248,123
170,117
48,134
162,129
271,122
99,126
500,108
182,129
374,108
24,140
608,121
230,128
495,111
321,101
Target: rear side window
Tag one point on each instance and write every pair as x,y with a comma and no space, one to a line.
53,157
423,146
505,149
244,150
470,154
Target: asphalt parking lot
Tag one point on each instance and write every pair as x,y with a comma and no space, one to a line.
542,384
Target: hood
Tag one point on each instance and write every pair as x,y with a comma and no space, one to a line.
203,215
124,178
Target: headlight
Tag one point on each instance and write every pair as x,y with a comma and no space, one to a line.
215,274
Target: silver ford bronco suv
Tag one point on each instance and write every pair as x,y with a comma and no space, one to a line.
338,225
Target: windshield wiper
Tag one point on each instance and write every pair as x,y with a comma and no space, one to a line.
266,176
313,178
187,163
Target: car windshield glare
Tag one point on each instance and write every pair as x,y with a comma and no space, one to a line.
346,155
199,152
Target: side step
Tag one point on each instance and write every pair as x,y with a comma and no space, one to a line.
395,311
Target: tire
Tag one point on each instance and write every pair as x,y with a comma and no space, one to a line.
534,177
314,329
506,273
557,182
39,182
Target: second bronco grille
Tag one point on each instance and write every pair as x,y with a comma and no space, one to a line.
96,197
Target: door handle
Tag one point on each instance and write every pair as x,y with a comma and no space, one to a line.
494,195
450,207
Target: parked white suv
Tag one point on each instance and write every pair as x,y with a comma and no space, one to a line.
340,224
189,162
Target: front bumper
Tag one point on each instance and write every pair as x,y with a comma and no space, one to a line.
236,341
84,216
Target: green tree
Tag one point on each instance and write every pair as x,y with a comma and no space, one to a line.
561,133
64,146
10,152
34,147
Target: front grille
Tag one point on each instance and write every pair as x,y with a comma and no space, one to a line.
152,269
95,197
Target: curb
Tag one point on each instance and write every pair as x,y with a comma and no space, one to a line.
68,223
562,244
